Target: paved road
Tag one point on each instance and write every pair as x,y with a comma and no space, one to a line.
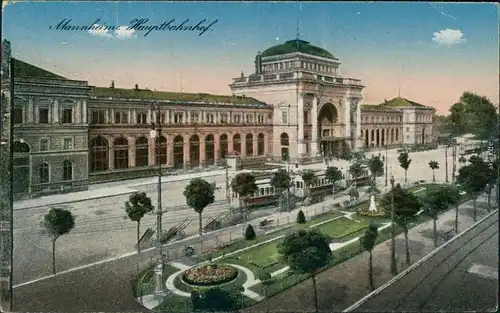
100,219
442,282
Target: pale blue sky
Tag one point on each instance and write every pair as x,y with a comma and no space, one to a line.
384,44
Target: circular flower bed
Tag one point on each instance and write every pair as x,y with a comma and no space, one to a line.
210,274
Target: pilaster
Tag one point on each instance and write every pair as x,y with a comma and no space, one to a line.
131,152
170,150
30,110
314,129
300,122
55,112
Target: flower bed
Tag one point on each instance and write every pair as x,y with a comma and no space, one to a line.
210,274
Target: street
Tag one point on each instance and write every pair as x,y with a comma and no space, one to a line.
102,231
444,281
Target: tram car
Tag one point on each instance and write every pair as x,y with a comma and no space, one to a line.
267,196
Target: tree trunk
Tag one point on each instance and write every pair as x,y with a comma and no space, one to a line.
333,192
433,176
315,294
370,272
434,225
200,222
54,255
456,219
489,198
138,234
474,216
406,176
407,246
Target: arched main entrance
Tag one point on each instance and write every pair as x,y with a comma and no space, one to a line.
328,132
178,152
210,149
21,183
224,146
141,151
99,154
194,151
237,144
249,144
285,145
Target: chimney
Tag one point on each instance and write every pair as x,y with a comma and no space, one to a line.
136,87
258,63
112,84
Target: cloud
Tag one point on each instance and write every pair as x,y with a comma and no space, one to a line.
123,32
448,37
100,31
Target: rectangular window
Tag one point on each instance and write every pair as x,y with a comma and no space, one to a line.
306,117
98,116
44,145
67,116
18,115
118,118
141,118
223,118
43,117
194,118
163,118
284,117
68,143
178,117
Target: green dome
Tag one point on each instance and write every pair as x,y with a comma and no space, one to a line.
297,45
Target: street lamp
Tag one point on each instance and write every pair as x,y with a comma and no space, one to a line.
155,133
394,270
454,161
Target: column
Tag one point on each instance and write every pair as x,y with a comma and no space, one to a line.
170,150
154,117
359,136
188,118
300,121
30,110
255,144
133,119
78,113
230,143
167,116
347,115
111,119
243,144
131,152
84,112
55,112
216,148
151,151
202,151
111,154
148,117
186,153
37,113
314,130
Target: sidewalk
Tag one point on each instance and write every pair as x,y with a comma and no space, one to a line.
97,193
344,284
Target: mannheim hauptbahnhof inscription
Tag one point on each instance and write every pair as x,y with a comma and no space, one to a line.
68,134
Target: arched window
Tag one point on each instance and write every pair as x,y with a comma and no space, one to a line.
121,153
249,144
284,139
44,173
67,170
98,153
237,143
261,141
141,151
224,146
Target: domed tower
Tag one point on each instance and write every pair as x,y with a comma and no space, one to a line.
317,112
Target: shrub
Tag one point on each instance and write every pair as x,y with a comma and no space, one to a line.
249,232
188,251
365,212
301,218
217,299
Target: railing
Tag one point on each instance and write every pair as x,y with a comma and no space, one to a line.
295,75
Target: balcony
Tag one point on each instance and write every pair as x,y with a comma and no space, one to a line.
290,76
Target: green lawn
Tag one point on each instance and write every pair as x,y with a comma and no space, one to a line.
340,227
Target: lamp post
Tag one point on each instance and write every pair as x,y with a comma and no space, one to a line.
386,175
394,270
446,161
155,133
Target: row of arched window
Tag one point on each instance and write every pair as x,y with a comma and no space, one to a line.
100,153
44,171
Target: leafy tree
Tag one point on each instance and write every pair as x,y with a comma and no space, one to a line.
286,158
301,218
474,181
58,221
436,201
368,241
406,206
333,174
434,165
244,185
308,177
266,280
475,114
404,161
306,251
136,207
282,181
356,170
462,160
354,194
376,167
199,194
249,232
